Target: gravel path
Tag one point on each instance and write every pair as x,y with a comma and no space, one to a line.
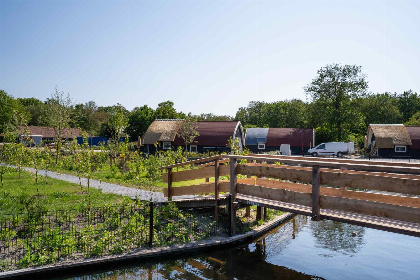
105,187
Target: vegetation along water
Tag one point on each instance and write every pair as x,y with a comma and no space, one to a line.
299,249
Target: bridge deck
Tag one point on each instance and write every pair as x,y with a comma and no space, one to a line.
352,218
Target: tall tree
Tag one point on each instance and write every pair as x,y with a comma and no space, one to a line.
33,108
56,114
117,124
11,112
139,120
166,110
380,108
333,89
409,104
188,132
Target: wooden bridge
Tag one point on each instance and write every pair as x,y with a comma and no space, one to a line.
382,195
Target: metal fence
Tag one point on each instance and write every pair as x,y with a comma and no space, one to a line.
39,238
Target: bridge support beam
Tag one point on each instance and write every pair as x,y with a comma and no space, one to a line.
169,184
315,193
232,197
216,189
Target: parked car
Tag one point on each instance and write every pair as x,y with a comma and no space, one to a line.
332,149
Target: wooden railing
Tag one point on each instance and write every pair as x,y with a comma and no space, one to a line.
317,183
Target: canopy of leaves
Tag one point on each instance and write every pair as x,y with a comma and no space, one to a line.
332,90
139,121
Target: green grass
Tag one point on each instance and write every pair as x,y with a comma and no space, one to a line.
21,195
106,175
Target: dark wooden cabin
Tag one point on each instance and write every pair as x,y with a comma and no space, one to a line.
261,140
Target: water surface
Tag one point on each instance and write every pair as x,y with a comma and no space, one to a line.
299,249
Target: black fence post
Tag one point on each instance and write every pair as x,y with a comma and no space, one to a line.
315,193
151,206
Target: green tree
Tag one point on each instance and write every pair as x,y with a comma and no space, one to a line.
9,109
84,116
117,124
166,110
139,121
381,108
409,104
414,120
33,108
333,90
56,114
188,132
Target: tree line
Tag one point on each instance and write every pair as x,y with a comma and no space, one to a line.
338,106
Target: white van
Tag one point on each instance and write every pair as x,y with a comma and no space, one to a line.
332,149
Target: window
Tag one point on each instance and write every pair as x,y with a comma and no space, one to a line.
193,148
261,146
400,149
166,145
322,146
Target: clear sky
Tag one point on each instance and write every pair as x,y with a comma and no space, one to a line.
205,56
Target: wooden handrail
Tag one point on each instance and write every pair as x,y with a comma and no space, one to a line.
342,160
192,162
338,165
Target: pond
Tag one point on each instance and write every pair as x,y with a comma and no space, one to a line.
298,249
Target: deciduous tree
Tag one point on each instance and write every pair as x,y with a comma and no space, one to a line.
333,89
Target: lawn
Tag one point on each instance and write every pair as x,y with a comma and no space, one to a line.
21,195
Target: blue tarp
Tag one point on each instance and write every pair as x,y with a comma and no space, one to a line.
93,141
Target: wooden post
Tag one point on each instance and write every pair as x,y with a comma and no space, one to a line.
232,174
232,216
265,213
151,204
169,184
216,189
315,193
232,212
259,213
207,180
247,211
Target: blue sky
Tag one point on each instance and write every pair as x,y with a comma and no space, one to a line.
205,56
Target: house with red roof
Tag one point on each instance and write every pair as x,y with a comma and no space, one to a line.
213,136
261,140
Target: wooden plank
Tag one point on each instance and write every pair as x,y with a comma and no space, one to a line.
279,172
407,184
205,188
192,162
315,193
387,174
390,199
342,160
205,172
379,209
350,166
358,219
371,181
276,194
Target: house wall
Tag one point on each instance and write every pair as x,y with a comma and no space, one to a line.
390,153
294,150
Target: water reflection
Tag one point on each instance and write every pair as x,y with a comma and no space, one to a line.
338,237
299,249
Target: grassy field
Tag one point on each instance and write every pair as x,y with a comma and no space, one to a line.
21,195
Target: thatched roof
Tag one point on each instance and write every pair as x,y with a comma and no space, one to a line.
161,131
389,135
49,132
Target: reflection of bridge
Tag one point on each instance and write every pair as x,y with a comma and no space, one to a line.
381,195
